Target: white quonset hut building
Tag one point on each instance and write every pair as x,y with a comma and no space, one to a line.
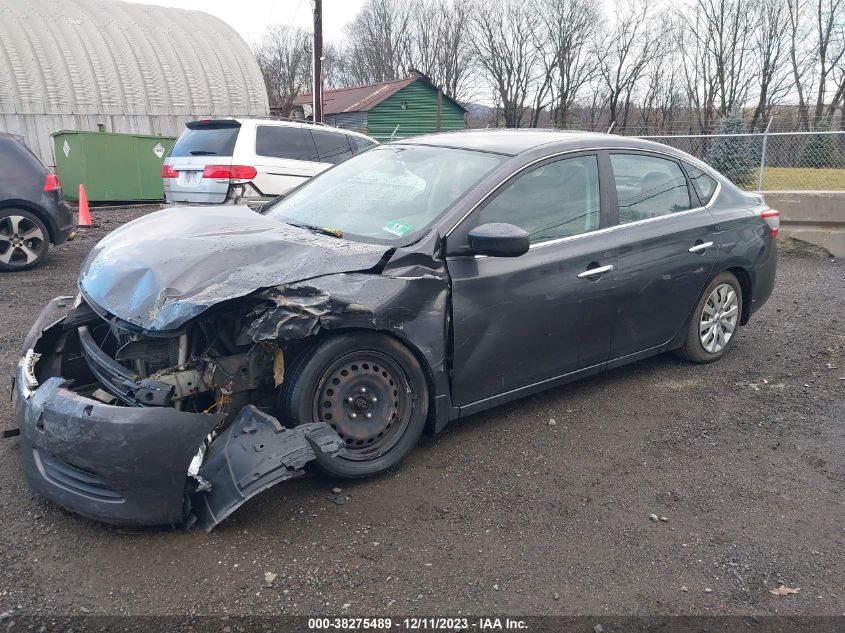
120,67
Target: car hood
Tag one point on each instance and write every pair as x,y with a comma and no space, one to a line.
165,268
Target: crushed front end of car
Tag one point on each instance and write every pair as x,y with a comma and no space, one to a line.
133,429
152,397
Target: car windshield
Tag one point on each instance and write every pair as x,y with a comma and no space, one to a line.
388,194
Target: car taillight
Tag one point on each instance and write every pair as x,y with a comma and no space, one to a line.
167,171
52,183
772,218
232,173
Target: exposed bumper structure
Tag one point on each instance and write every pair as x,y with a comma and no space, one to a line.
129,465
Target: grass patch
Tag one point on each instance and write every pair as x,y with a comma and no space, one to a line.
779,178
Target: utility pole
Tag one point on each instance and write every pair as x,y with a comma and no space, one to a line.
318,62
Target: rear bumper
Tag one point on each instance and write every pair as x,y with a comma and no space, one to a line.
763,277
121,465
65,222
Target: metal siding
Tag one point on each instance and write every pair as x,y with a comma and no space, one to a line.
73,64
420,116
356,121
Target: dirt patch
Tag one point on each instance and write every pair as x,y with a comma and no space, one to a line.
744,458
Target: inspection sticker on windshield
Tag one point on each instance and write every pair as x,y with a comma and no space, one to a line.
397,228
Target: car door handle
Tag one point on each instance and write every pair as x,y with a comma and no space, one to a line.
592,272
700,247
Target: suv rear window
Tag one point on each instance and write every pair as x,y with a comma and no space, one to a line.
283,141
207,139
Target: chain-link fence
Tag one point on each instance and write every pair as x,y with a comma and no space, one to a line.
770,161
762,161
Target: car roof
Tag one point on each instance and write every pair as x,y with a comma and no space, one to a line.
308,124
512,142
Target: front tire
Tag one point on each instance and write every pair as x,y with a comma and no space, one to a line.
715,321
370,389
24,239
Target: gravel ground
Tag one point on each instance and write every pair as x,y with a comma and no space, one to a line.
504,512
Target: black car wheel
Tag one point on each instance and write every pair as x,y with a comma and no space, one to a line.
370,389
24,240
715,320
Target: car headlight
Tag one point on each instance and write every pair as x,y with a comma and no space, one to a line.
30,382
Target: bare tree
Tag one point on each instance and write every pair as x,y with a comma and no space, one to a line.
663,94
377,42
817,48
284,57
503,44
439,44
771,44
569,30
697,67
722,31
830,39
633,42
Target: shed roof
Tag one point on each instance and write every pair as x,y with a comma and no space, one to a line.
362,98
112,57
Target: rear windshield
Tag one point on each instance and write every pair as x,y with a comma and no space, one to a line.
206,140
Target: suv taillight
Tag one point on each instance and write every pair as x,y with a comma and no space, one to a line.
167,171
232,173
52,183
772,218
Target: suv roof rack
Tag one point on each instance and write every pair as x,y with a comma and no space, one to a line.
274,117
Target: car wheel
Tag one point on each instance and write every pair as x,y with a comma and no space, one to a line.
24,240
370,389
715,321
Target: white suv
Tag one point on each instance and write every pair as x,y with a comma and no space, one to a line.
250,161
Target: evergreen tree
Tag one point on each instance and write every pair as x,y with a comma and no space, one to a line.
819,150
733,156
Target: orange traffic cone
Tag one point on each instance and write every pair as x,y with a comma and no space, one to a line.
84,212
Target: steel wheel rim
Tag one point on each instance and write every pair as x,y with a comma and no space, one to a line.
366,398
21,240
719,318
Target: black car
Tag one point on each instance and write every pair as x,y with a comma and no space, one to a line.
213,353
32,212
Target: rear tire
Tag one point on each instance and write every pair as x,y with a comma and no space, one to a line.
24,240
370,389
715,321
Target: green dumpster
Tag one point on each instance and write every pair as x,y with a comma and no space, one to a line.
113,167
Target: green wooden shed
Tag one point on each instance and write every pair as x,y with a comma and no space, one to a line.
400,108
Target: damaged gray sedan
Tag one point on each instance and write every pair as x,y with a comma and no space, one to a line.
214,352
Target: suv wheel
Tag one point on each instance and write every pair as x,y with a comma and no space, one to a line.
24,240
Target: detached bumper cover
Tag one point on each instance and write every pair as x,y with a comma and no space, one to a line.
129,465
252,454
119,465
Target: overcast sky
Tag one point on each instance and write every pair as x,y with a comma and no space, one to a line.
251,17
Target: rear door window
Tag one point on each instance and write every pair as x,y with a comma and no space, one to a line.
704,185
648,187
332,147
207,139
283,141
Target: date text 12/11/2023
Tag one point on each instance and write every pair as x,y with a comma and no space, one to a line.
418,624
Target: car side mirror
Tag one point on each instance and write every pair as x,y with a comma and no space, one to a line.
498,239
